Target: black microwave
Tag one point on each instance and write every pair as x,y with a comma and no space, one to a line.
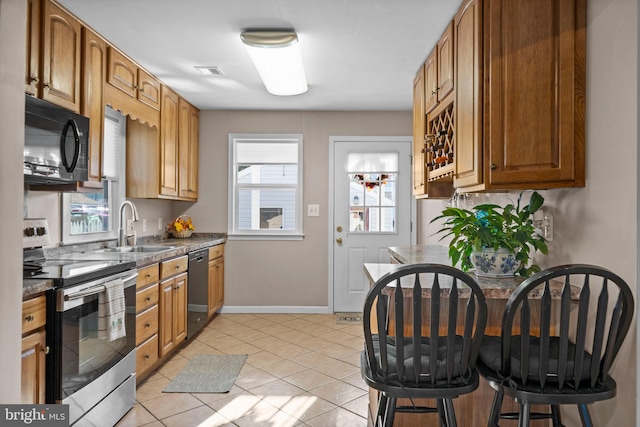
55,144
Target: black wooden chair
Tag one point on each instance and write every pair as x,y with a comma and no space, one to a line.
422,342
563,351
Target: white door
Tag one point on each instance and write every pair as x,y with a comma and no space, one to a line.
372,211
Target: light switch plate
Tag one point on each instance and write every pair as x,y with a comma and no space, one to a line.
144,225
313,210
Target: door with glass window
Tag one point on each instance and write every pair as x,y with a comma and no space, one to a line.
372,211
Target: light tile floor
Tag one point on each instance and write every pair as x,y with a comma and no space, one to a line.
302,370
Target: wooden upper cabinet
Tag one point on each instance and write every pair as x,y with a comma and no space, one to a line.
34,31
445,50
61,57
468,103
534,118
169,138
94,70
125,75
430,81
188,125
419,124
148,89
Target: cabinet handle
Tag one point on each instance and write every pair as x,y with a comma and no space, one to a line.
433,92
148,275
29,318
147,356
147,299
493,166
47,85
141,89
177,267
33,79
46,349
147,325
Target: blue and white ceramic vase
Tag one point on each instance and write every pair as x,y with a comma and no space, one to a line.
491,263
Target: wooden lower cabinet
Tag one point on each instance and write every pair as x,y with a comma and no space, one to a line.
173,304
216,279
34,351
147,308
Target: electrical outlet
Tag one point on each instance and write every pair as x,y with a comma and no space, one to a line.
129,225
313,210
144,225
159,223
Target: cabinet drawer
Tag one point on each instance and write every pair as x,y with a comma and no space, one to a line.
146,355
174,266
147,275
34,314
216,251
146,297
146,324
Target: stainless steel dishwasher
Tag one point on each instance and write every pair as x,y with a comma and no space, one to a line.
198,291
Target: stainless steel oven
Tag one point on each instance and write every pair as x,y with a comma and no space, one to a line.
95,377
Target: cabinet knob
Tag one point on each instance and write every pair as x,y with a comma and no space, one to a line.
148,275
433,92
147,299
47,85
141,89
177,267
493,166
147,325
34,79
147,356
46,349
29,318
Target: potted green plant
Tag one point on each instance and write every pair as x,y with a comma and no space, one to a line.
494,240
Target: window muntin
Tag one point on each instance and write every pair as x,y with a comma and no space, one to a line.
372,192
265,198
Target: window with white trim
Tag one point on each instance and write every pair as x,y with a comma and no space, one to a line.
265,195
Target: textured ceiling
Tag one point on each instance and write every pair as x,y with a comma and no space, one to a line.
358,54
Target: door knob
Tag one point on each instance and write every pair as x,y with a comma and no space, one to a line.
339,240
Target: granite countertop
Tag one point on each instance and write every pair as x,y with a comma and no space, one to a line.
33,287
492,287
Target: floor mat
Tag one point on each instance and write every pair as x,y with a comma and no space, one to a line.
206,373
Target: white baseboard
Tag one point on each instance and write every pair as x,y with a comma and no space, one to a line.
275,309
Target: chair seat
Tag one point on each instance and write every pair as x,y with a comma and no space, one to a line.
490,355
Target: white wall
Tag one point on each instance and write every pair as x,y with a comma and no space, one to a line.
12,60
264,275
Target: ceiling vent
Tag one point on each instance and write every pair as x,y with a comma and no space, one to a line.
209,70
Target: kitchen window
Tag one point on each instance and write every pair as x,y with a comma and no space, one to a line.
265,195
89,217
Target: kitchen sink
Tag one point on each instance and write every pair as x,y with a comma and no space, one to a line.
138,248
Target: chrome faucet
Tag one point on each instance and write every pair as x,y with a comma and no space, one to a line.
122,232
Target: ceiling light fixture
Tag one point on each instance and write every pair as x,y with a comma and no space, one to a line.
211,70
276,55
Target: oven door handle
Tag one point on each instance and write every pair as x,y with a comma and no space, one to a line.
96,289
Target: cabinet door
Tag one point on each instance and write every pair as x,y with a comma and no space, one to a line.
194,147
419,124
183,148
445,63
33,368
431,81
34,30
534,117
468,81
169,143
148,89
167,306
94,73
216,285
122,73
180,311
61,58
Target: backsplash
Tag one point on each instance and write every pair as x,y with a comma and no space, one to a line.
45,204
